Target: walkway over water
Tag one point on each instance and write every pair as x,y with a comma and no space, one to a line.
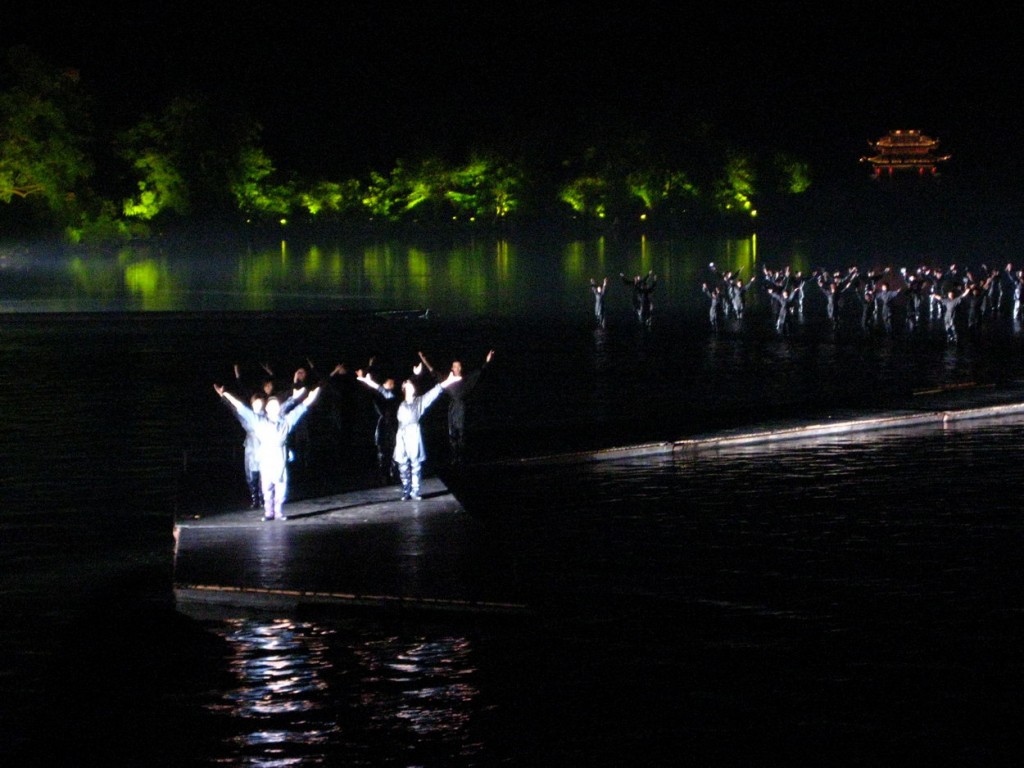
368,550
937,408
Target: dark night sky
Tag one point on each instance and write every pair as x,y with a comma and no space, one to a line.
357,84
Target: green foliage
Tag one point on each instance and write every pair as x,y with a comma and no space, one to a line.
385,196
734,190
427,186
329,197
254,194
403,191
795,175
43,135
104,227
161,187
193,158
586,196
661,188
486,187
196,157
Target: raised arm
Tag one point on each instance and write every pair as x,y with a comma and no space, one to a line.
242,411
367,379
296,413
470,379
239,383
225,395
312,396
426,362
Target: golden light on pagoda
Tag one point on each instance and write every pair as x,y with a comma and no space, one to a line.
904,151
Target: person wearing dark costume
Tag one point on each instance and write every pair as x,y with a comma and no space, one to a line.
717,300
385,403
785,306
643,287
917,288
459,386
976,297
884,298
268,384
991,292
736,293
949,303
832,287
300,442
865,296
599,290
724,281
245,387
339,395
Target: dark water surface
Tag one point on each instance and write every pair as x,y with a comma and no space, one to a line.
844,601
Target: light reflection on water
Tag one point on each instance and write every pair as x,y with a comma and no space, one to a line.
293,703
472,277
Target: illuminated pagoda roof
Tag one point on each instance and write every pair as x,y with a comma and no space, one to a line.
904,150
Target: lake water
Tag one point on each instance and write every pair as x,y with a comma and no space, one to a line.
846,601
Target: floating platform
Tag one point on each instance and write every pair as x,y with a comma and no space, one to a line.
354,552
370,551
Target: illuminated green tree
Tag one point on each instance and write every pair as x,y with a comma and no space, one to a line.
795,175
734,190
587,196
385,196
154,148
193,158
253,189
330,197
486,187
428,188
661,189
104,225
43,134
405,193
161,187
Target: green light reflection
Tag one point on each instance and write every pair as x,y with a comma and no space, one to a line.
151,281
575,260
94,280
479,276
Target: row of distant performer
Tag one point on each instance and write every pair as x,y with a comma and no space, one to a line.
883,299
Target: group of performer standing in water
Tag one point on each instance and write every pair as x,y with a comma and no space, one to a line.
272,416
883,300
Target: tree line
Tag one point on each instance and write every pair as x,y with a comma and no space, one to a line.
68,167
